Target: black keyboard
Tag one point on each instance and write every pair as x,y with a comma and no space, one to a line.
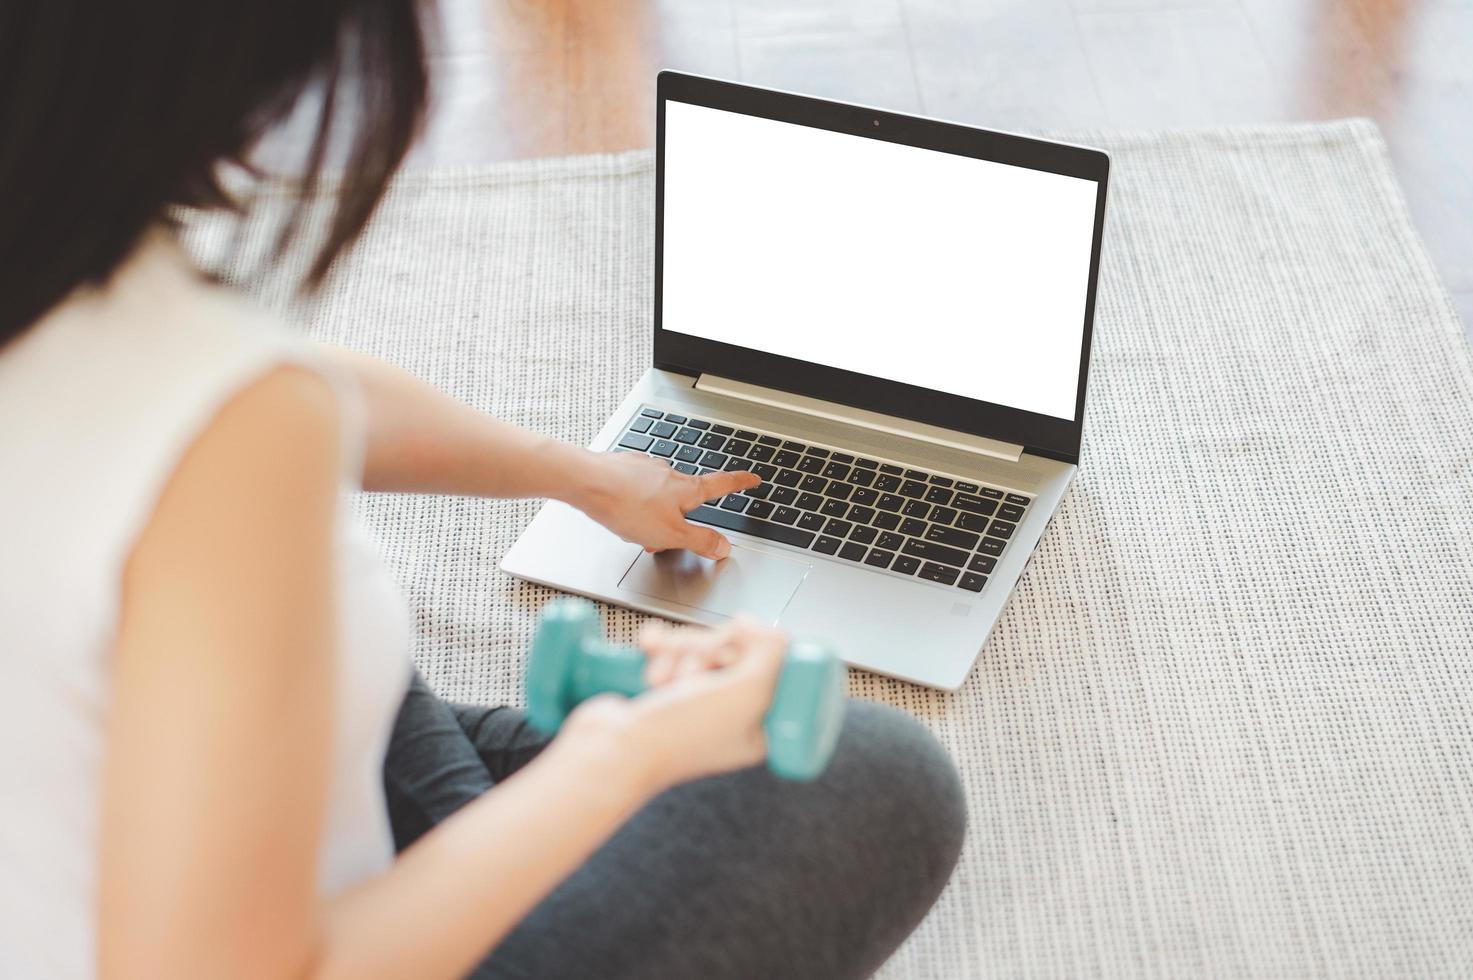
882,515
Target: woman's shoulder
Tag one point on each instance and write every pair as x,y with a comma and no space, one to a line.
101,399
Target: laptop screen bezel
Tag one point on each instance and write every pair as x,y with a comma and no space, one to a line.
687,354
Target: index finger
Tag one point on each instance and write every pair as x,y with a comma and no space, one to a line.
714,485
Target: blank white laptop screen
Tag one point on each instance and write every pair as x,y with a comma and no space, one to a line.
935,270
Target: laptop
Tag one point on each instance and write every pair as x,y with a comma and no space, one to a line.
888,319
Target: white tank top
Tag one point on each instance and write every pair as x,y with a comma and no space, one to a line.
98,402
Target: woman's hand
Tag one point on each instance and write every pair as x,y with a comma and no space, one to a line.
710,689
645,501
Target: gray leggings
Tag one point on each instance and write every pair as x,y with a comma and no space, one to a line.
736,876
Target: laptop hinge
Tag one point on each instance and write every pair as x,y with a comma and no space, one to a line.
835,412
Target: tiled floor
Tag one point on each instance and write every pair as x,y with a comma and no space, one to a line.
523,78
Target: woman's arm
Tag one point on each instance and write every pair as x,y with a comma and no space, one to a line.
220,727
420,439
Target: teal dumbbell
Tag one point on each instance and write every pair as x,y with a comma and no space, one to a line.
570,662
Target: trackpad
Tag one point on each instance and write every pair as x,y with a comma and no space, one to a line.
752,582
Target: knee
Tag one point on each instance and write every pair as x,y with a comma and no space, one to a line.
903,789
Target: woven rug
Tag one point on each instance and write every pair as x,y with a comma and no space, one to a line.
1226,725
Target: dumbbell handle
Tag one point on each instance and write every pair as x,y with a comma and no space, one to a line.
608,667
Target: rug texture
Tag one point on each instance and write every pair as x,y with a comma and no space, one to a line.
1224,727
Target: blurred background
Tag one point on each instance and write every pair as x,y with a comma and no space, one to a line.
528,78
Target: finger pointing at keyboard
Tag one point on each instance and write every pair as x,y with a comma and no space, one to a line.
644,501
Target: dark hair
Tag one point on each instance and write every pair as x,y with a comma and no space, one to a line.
114,111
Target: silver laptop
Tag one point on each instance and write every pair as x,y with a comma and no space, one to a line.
888,319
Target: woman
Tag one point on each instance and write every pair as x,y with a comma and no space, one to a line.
214,741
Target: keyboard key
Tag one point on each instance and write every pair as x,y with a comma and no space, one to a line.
887,484
761,491
879,559
890,541
912,527
950,535
796,447
826,546
784,495
677,419
938,495
686,468
861,515
915,475
975,505
982,563
785,515
760,508
1010,512
992,493
890,502
867,464
972,522
842,458
916,508
760,453
864,535
913,488
837,528
905,564
891,468
864,495
853,552
811,522
889,522
1018,498
662,430
942,515
737,447
688,454
810,501
633,440
966,487
765,470
933,572
640,425
736,502
862,478
810,464
992,546
721,430
788,478
932,552
941,481
736,463
711,441
836,471
785,458
653,413
744,434
759,529
813,484
834,508
714,460
770,440
820,453
698,424
664,447
1002,529
839,491
973,582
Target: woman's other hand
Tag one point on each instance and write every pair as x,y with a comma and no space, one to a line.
645,501
710,690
